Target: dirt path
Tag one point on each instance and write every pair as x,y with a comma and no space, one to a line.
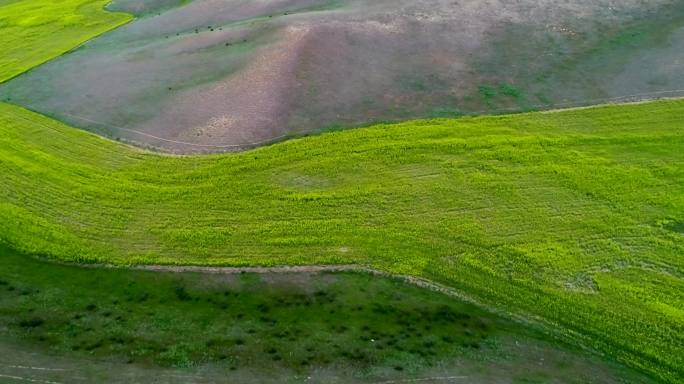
236,270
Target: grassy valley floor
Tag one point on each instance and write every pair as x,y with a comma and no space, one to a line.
112,325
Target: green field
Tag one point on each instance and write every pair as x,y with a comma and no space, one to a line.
336,327
574,219
38,30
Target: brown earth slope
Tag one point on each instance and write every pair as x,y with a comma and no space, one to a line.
216,75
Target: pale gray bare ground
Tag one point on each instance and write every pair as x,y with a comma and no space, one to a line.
216,75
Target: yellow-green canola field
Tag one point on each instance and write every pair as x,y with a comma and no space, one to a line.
35,31
572,216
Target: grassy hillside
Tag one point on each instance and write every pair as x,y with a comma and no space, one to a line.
575,216
37,30
217,75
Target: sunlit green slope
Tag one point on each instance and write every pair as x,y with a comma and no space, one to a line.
574,216
34,31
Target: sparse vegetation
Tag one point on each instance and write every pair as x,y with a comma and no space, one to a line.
503,93
293,322
407,67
